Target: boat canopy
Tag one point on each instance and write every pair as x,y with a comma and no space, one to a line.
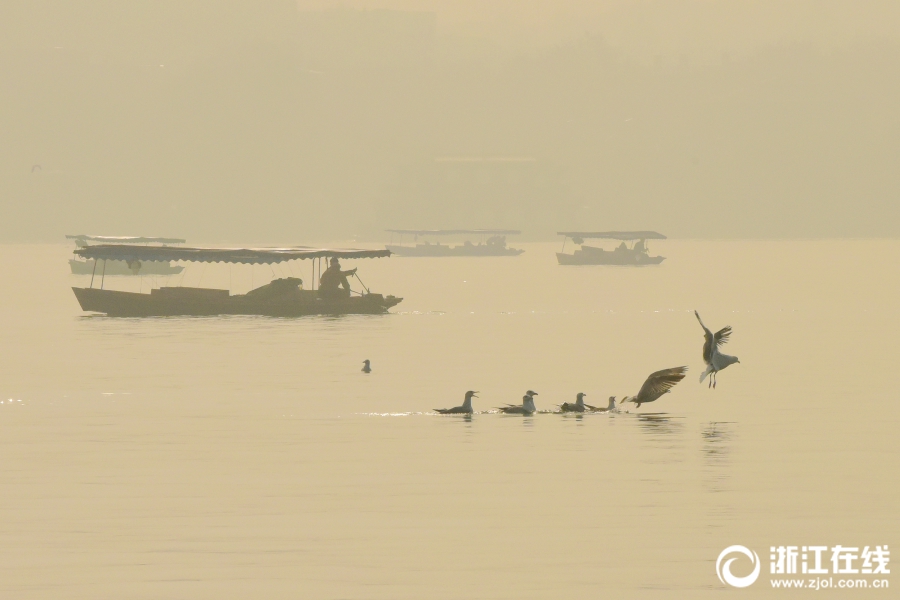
614,235
253,256
454,231
125,240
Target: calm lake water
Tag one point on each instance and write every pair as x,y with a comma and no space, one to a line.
237,457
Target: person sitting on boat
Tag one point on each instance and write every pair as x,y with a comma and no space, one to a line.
622,247
640,247
333,283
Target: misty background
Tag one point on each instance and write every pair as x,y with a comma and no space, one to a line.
298,121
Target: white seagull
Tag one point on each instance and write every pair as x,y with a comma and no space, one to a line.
657,384
465,409
715,360
526,408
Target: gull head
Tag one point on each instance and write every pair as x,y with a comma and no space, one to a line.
531,393
470,394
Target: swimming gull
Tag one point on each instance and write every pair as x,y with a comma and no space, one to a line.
526,408
366,366
579,405
657,384
715,360
611,407
465,409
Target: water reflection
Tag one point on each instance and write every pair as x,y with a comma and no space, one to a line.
716,442
717,439
666,434
660,425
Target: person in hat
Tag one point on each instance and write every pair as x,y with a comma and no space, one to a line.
333,283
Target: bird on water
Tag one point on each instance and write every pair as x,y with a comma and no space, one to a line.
465,409
657,384
367,367
579,405
715,360
611,407
527,407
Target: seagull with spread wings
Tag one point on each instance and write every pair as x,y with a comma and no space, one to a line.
657,384
715,360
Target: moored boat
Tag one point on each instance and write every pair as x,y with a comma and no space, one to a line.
635,255
282,297
492,243
120,267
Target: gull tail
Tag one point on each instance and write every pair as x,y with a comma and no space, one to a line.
708,370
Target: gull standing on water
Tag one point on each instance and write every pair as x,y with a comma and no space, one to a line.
465,409
527,407
715,360
657,384
366,366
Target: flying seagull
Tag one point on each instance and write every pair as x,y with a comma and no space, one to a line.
656,385
465,409
367,368
715,360
527,407
579,405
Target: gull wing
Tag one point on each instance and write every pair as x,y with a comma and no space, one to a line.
722,335
658,383
456,410
708,339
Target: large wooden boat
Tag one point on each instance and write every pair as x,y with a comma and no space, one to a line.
637,254
120,267
279,298
492,243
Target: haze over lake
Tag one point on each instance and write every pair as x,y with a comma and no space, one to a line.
235,457
755,145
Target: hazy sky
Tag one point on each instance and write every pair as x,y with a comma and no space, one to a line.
294,121
646,28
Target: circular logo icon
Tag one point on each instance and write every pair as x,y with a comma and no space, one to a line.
724,570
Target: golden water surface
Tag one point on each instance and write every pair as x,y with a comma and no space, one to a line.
242,457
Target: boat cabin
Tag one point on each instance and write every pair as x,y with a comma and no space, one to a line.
118,267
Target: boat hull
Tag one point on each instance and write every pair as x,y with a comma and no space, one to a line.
441,250
120,267
608,258
169,302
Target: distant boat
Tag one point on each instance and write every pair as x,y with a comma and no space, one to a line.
493,245
283,297
118,267
635,255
